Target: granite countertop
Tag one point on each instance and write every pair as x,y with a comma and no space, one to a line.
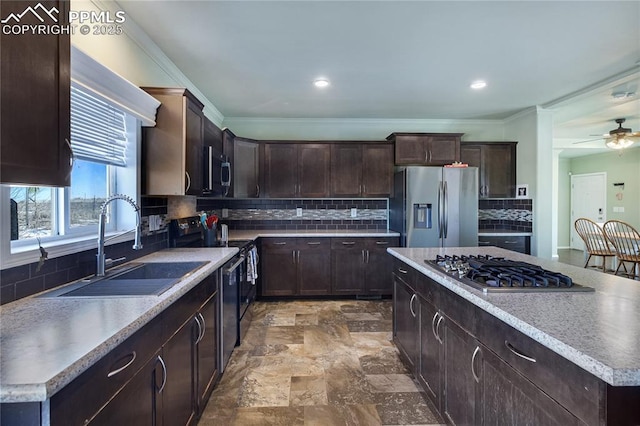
503,233
236,235
599,331
47,342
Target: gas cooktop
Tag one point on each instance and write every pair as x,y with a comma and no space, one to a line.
497,274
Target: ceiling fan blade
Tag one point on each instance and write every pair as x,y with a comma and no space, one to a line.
588,140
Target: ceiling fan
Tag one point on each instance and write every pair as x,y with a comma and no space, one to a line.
619,138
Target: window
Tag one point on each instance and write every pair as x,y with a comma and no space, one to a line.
107,113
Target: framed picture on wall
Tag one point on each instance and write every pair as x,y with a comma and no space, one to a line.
522,191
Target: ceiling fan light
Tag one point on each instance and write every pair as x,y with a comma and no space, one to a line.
620,143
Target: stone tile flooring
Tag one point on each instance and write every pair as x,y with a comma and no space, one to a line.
318,363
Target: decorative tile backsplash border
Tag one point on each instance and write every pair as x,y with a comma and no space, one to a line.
317,214
507,214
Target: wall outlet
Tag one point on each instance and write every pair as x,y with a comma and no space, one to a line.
354,212
618,209
299,212
154,222
225,213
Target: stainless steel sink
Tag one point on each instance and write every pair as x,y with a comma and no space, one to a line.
141,279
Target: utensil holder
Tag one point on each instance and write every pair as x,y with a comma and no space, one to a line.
210,237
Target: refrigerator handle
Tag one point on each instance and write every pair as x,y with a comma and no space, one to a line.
445,212
440,209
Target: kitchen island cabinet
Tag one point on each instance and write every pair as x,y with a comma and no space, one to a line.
36,100
498,368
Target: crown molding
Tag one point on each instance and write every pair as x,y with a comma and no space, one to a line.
153,51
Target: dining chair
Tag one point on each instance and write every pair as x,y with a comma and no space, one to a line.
626,240
595,241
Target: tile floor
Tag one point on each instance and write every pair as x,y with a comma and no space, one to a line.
318,363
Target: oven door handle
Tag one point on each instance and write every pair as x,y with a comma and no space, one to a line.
235,266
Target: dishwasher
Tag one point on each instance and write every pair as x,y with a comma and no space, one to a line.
228,328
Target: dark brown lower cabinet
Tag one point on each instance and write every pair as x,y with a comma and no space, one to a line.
326,266
347,262
459,399
139,402
478,370
405,321
507,398
162,375
314,267
178,406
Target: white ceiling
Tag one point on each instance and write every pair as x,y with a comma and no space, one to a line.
414,59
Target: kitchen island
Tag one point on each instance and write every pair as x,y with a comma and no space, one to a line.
47,342
586,364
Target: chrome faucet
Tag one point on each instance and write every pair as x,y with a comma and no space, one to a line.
137,245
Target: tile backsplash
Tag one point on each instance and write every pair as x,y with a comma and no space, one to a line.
317,214
506,214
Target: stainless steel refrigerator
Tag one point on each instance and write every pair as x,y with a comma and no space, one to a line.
435,206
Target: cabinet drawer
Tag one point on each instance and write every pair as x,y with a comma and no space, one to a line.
405,272
380,243
570,385
275,243
183,309
347,243
99,383
515,243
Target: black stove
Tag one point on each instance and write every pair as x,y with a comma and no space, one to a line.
497,274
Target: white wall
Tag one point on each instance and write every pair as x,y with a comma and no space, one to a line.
134,56
359,129
564,202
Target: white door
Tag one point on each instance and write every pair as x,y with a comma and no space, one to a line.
588,199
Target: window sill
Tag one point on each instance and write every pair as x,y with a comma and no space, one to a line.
30,253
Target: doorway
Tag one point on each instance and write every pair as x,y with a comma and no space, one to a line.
589,200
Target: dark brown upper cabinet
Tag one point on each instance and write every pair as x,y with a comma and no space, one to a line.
496,162
296,170
361,169
35,103
426,149
246,168
173,149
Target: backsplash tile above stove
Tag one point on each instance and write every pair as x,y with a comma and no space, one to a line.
506,214
317,214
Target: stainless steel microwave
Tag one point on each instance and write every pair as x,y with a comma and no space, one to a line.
217,173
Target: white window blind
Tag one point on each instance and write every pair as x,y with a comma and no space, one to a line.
98,129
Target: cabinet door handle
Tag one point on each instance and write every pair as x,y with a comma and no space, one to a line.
433,326
204,326
402,271
382,243
257,191
280,243
315,243
364,189
118,370
363,257
473,364
360,189
426,156
164,374
411,305
517,352
293,252
298,256
484,243
510,241
188,181
197,320
367,256
348,243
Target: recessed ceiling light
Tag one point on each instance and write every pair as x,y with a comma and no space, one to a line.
321,82
479,84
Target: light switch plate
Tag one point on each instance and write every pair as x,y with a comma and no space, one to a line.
299,211
354,212
225,213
